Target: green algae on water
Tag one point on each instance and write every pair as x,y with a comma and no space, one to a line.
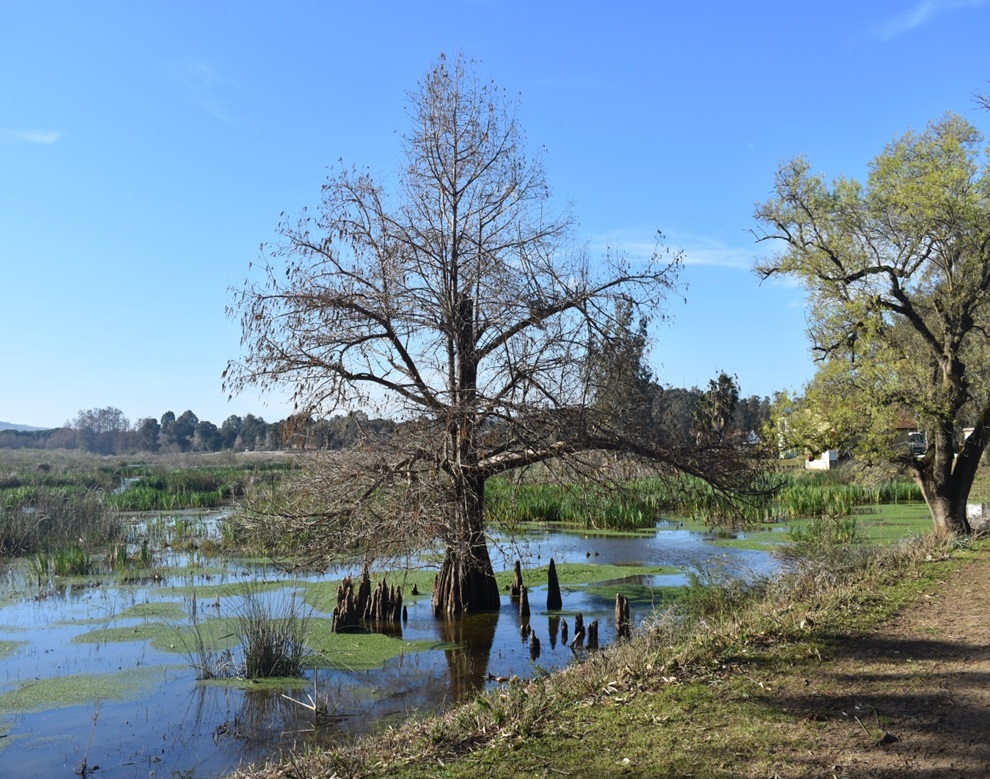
212,635
356,651
171,611
584,573
79,689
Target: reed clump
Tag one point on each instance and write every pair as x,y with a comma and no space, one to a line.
42,518
273,637
270,631
639,504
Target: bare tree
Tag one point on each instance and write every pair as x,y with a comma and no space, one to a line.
454,304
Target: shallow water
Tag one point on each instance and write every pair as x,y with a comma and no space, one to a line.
159,722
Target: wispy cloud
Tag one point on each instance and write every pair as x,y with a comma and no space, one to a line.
44,137
697,250
202,82
710,252
923,13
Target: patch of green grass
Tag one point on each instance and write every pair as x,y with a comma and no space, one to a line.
79,689
894,522
209,592
876,524
980,492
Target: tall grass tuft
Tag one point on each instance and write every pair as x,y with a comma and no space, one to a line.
273,636
70,560
271,631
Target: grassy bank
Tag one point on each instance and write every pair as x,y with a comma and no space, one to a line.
689,695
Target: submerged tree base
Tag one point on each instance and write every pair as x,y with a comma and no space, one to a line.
465,583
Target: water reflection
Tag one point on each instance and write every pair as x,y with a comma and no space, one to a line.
468,663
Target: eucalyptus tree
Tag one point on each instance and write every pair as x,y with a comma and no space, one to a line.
898,276
453,301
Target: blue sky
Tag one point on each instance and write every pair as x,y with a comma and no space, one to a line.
148,148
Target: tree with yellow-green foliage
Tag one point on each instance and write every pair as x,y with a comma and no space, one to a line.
897,271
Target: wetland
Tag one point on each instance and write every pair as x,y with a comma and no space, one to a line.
136,667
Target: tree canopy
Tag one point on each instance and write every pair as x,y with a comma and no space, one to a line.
898,273
457,301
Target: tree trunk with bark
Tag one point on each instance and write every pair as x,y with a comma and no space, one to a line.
466,581
945,478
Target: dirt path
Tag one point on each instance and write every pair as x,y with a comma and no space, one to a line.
912,699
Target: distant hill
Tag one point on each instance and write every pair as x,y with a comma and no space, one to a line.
25,428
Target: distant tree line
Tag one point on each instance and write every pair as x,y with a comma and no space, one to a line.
675,413
625,389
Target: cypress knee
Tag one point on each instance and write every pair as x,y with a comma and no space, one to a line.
523,602
515,589
623,622
554,601
578,639
592,638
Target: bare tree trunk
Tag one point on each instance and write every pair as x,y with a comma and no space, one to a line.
466,581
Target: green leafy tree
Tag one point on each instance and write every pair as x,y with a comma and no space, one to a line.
898,276
183,430
619,377
229,430
253,433
206,437
752,414
673,412
167,436
148,432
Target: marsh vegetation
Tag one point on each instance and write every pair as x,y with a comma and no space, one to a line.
237,657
